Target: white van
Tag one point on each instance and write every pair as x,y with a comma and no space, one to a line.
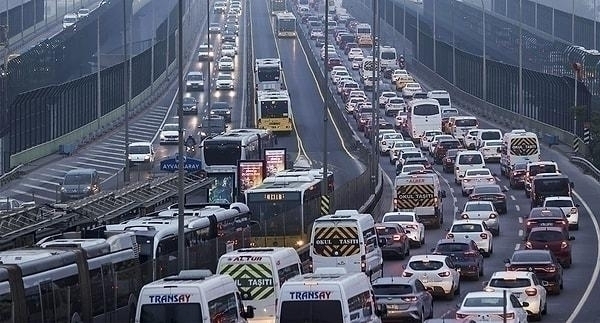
328,295
442,96
140,153
466,160
346,239
259,273
488,134
387,56
192,296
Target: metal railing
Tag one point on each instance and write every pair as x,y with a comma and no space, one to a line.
586,166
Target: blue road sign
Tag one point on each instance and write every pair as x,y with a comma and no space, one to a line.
189,164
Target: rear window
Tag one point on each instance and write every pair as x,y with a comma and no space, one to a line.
467,227
449,144
559,203
470,159
452,247
425,265
478,207
539,169
484,302
385,231
465,122
531,257
399,289
510,283
490,135
546,236
398,218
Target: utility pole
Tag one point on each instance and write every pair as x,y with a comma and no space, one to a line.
484,75
4,41
210,58
127,93
180,171
375,71
324,186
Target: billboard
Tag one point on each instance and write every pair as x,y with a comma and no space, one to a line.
250,173
222,188
275,160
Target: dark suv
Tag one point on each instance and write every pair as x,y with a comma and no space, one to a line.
397,242
449,159
465,255
442,147
516,175
554,239
546,217
542,263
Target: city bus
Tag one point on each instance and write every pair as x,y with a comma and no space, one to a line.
274,111
277,6
67,279
285,24
423,115
284,207
209,231
268,74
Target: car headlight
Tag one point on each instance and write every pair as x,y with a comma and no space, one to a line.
228,112
87,188
62,189
162,136
147,157
212,112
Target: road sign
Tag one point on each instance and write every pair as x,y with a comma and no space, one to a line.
172,164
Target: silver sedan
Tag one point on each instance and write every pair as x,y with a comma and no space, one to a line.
404,298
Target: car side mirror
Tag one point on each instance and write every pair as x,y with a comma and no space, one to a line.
484,283
504,190
381,310
507,261
576,205
481,251
403,266
432,249
571,238
249,312
494,174
382,242
457,305
524,304
545,283
443,193
572,184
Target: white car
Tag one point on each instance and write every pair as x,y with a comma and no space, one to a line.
194,81
410,89
83,12
407,169
354,53
476,230
437,272
384,97
569,208
400,119
228,50
214,28
489,307
224,81
396,146
337,76
466,159
398,74
351,104
470,139
526,286
408,153
427,137
69,20
357,62
140,153
316,33
434,141
414,229
394,105
491,149
169,133
484,211
475,177
226,64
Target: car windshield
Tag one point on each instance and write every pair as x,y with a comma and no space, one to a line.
546,236
478,172
77,179
486,190
425,265
195,77
170,127
470,159
520,167
465,122
392,289
559,203
483,302
490,135
531,257
466,227
189,100
398,218
412,168
474,207
510,283
224,77
452,247
220,105
139,149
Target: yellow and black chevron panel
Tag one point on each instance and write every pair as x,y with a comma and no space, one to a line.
325,205
255,281
524,146
411,196
338,241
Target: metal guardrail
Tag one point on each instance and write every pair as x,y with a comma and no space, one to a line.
586,166
9,176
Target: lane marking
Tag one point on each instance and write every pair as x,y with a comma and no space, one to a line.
518,208
520,219
517,246
455,199
596,271
452,189
512,197
506,187
520,232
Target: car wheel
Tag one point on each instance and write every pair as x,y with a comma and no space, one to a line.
480,273
538,316
430,316
545,309
407,251
457,290
464,194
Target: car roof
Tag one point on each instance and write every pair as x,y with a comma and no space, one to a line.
549,211
393,280
559,198
141,143
444,241
479,202
484,294
428,257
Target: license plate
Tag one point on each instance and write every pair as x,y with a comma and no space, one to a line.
546,224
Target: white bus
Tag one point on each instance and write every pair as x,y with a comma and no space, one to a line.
274,111
192,296
423,115
328,296
346,239
268,74
259,274
285,24
68,279
208,233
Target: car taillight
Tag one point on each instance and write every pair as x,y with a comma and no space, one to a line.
531,291
448,160
449,236
410,226
529,223
363,263
444,274
528,245
560,222
464,216
483,236
406,274
573,210
491,179
501,197
493,215
466,180
396,237
409,299
508,316
461,316
564,245
470,254
551,268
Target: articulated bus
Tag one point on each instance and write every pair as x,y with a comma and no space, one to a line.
285,24
268,74
423,115
68,279
277,6
209,231
285,207
274,111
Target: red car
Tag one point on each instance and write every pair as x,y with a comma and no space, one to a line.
554,239
333,61
546,217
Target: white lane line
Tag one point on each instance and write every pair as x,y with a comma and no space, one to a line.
520,219
517,246
520,232
455,199
451,189
505,187
518,208
594,277
512,197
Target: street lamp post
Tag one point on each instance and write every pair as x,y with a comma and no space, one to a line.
208,63
521,108
404,29
324,186
483,29
126,63
434,40
453,45
375,72
180,171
